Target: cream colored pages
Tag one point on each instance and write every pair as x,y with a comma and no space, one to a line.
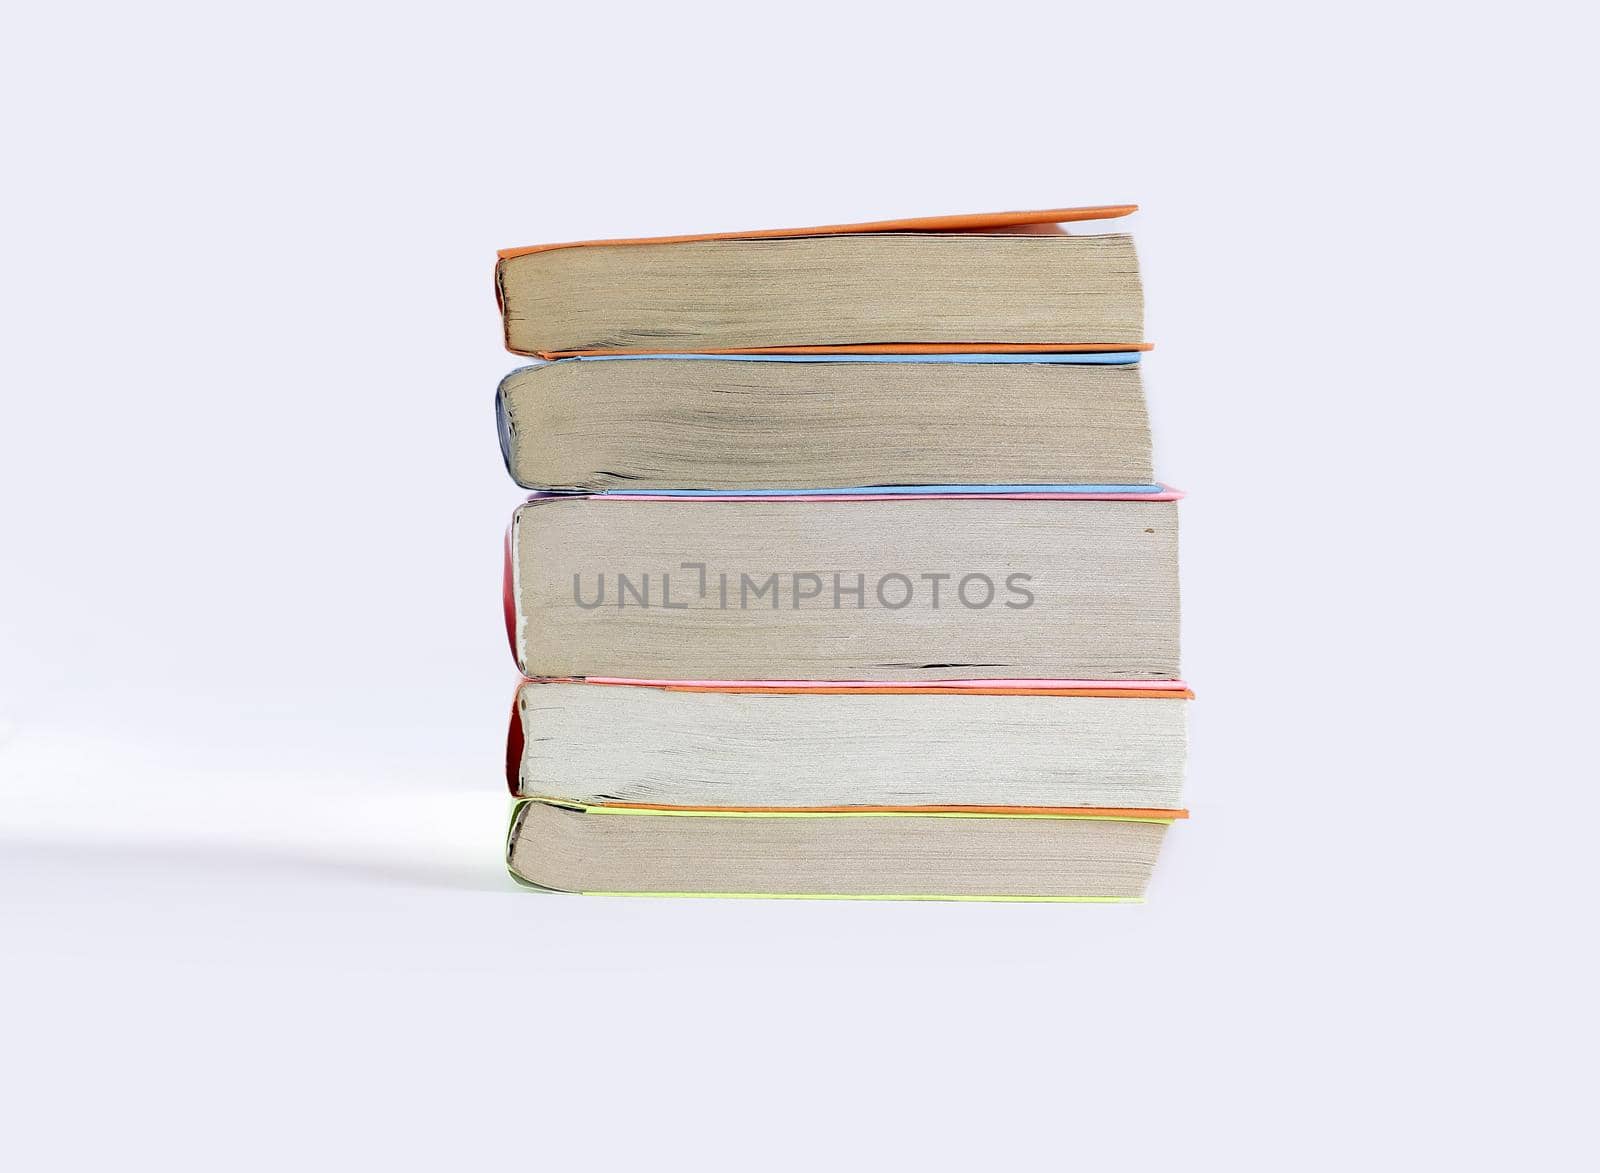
888,288
582,851
646,745
684,424
722,590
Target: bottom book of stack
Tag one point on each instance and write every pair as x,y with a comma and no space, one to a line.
979,790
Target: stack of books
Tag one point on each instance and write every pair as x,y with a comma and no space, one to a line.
845,573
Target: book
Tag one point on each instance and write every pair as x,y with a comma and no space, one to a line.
817,422
1063,744
1056,855
970,283
846,573
873,586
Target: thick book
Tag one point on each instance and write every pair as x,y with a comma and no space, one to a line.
816,422
851,745
1024,855
872,586
990,281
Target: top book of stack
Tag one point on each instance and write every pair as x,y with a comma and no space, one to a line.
998,282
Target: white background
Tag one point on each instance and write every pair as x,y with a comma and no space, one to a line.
253,680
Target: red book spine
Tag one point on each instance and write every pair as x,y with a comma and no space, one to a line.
514,748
